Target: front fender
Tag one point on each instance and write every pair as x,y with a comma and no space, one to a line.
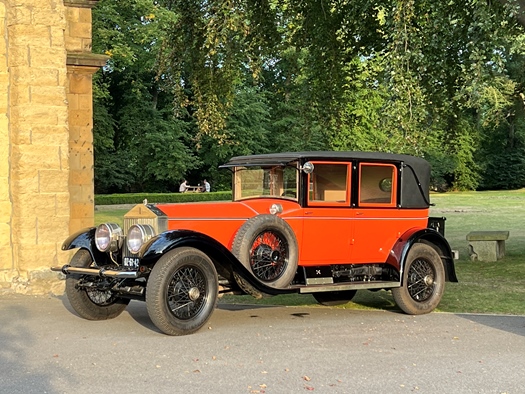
399,252
223,259
85,239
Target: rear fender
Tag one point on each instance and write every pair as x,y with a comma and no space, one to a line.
398,254
85,239
225,262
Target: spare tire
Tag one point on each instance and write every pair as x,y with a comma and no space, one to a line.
266,246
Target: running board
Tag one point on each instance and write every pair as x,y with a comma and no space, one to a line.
347,286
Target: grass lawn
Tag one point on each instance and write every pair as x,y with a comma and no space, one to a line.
497,287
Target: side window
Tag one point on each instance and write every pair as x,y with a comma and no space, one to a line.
377,184
329,184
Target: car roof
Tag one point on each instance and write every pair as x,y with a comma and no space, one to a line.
287,157
415,179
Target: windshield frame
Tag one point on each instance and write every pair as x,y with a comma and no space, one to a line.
266,181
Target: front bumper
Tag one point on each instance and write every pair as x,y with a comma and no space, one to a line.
102,272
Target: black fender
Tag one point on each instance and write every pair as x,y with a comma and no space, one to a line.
221,256
399,252
85,239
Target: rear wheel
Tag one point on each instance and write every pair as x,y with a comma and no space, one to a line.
423,281
333,298
86,294
182,291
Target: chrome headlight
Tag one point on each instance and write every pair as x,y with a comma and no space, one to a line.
107,237
138,235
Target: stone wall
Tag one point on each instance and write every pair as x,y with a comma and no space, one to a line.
46,160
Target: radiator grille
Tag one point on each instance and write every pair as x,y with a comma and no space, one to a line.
142,214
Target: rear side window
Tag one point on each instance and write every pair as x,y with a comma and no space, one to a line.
377,185
329,184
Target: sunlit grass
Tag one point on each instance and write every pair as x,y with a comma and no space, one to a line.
497,287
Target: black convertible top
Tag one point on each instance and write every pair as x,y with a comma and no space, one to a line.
287,157
415,178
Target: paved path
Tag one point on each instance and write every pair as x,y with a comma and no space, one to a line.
45,348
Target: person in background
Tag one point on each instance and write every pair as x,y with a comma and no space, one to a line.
207,186
183,186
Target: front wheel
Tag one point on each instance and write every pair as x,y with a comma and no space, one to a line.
88,295
423,281
182,291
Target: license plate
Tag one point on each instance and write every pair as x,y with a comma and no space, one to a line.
131,262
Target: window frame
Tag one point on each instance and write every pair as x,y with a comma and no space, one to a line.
393,192
348,191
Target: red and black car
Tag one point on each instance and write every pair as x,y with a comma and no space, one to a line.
320,223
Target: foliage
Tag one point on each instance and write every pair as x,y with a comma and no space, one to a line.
158,198
191,83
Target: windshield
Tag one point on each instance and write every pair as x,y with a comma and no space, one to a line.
267,181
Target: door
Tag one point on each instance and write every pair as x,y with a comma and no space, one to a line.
328,217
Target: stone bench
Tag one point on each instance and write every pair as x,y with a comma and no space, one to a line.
487,245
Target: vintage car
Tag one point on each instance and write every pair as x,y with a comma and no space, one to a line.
320,223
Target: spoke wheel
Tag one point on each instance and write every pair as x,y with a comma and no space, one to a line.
423,281
266,246
269,256
333,298
86,299
182,291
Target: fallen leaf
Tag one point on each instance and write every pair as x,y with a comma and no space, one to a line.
306,378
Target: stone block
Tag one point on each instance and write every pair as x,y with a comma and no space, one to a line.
28,158
49,135
23,35
81,118
28,254
51,230
48,95
73,44
28,76
6,209
53,57
85,102
42,16
81,177
57,37
53,181
79,29
19,56
21,95
84,15
81,210
19,15
79,224
72,14
80,83
72,100
487,245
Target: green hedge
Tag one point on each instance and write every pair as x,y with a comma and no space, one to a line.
157,198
